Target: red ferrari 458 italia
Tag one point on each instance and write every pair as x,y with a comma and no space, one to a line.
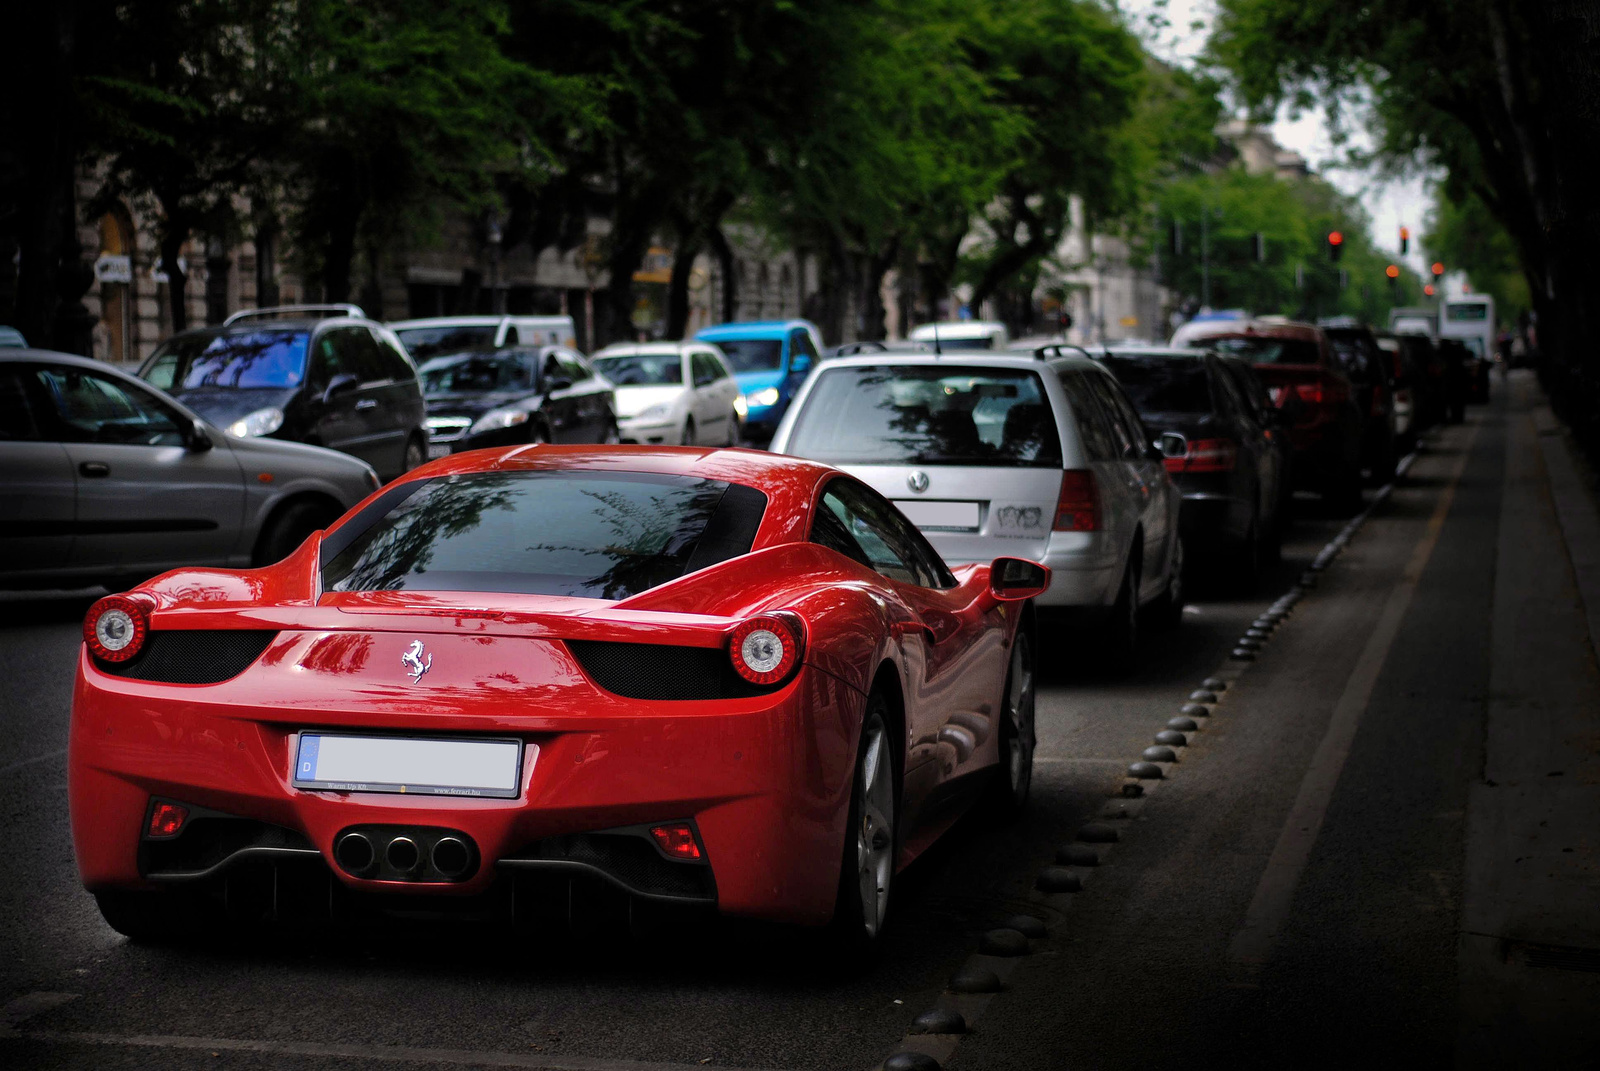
702,677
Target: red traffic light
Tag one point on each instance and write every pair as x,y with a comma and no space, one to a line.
1392,271
1335,238
1428,290
1438,268
1405,240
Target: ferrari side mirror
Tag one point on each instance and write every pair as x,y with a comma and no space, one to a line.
1017,579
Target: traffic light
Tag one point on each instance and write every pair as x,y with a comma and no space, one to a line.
1428,290
1392,271
1335,245
1405,241
1438,269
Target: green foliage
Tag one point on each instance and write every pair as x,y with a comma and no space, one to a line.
1294,217
1465,237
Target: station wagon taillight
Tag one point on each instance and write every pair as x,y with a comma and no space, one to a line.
1078,505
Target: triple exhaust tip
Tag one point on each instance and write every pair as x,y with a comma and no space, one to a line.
450,855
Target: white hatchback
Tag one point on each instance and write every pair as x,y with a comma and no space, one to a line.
673,393
1009,455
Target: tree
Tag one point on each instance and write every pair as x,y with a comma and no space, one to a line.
1465,236
1504,96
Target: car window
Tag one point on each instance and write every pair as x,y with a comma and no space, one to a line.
395,365
344,351
478,373
642,369
240,359
513,337
723,371
1163,384
1260,349
1250,386
1229,395
801,344
1094,425
858,522
573,366
706,370
928,414
753,354
587,534
1125,433
17,422
91,408
425,342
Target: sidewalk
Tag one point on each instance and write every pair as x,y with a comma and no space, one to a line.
1529,950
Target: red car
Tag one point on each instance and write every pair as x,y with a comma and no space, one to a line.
707,677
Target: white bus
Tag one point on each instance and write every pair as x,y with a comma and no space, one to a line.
1470,318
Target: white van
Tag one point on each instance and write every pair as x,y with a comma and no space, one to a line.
1470,318
436,335
963,335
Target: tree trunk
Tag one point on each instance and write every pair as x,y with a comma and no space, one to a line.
874,316
340,255
727,266
678,289
173,235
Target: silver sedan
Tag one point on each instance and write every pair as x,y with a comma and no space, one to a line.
1009,455
107,480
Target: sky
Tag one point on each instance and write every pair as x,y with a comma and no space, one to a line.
1390,203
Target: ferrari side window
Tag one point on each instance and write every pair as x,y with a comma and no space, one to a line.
832,531
864,519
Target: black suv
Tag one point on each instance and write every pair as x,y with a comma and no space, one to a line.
340,380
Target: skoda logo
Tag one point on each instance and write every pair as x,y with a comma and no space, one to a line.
917,481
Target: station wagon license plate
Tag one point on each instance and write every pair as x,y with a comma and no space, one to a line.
426,766
940,516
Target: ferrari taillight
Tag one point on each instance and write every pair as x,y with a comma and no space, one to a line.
766,649
116,627
677,841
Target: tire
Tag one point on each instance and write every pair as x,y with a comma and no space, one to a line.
416,454
688,432
285,530
872,842
1166,613
1018,735
1121,640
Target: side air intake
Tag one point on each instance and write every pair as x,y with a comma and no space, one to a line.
193,656
663,671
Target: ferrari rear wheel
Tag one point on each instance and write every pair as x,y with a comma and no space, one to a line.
1017,730
871,841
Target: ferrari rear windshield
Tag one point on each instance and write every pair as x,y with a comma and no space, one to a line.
595,535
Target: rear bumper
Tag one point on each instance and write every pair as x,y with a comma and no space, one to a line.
765,781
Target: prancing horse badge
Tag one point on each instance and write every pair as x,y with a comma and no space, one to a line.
416,661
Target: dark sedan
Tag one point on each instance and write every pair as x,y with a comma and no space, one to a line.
532,394
1232,470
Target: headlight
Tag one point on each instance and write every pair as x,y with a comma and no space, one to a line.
760,398
656,412
261,422
741,407
499,418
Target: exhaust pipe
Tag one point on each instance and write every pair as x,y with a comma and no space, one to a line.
451,856
355,853
403,854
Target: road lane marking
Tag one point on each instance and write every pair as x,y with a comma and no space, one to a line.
29,762
391,1053
1253,944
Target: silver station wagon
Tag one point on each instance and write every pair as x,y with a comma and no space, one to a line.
1034,457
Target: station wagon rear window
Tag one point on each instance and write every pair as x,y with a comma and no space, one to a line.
928,415
591,534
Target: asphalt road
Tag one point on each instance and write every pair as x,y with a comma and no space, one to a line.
1350,932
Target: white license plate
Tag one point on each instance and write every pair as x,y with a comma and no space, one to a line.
940,516
421,765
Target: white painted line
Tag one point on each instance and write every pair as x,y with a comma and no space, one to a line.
30,762
393,1053
1253,944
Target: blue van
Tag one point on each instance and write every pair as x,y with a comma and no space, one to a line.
770,359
